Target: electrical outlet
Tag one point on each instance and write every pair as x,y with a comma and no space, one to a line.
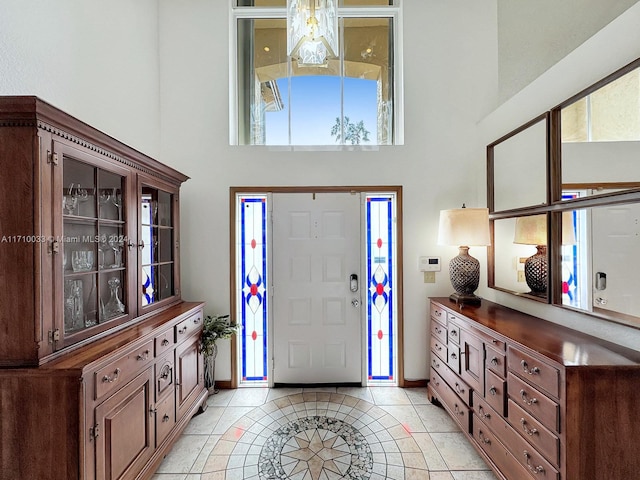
521,276
429,277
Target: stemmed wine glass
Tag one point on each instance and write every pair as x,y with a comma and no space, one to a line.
70,200
116,245
103,246
116,199
105,196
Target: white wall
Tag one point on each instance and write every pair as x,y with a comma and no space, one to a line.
450,83
96,60
611,48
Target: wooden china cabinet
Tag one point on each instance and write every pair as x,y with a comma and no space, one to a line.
100,370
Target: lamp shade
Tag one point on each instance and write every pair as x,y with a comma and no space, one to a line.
464,226
531,230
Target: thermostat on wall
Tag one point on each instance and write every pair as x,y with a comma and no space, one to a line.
429,264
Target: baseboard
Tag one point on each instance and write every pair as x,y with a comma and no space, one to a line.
223,384
415,383
226,384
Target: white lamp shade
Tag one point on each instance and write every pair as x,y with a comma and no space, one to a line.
531,230
464,226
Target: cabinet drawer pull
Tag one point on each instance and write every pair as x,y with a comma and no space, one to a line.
436,382
196,321
454,333
435,363
438,330
523,395
494,361
143,356
113,378
454,356
493,391
534,470
166,372
531,432
482,413
530,371
458,411
438,313
166,418
483,439
164,342
458,389
183,330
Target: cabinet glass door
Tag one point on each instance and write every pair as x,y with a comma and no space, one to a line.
94,253
157,259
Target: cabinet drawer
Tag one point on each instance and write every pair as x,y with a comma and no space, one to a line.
438,314
503,459
439,331
532,430
456,383
495,392
453,331
526,454
453,358
165,376
439,349
164,342
534,371
116,373
165,418
188,326
486,412
496,361
456,407
533,401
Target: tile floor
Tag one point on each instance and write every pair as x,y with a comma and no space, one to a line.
371,433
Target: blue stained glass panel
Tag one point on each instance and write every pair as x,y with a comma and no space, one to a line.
380,237
252,279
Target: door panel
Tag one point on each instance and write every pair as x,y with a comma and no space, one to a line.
316,317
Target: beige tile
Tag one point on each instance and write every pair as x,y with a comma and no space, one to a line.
200,462
389,396
440,476
408,445
431,454
418,396
414,460
249,397
407,416
415,474
436,419
477,475
457,452
204,423
216,463
183,454
223,447
220,399
398,431
362,393
213,476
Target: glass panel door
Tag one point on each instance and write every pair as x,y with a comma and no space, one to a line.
157,260
94,257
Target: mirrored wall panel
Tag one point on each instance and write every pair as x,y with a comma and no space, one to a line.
519,165
600,133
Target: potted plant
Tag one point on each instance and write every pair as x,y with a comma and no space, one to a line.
214,328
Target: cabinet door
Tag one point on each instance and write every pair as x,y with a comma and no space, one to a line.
94,237
158,244
472,359
125,426
189,374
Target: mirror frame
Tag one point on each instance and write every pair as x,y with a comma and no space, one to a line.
555,206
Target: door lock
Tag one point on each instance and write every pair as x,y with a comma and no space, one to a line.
353,282
355,303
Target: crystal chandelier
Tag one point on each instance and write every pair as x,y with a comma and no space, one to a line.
312,31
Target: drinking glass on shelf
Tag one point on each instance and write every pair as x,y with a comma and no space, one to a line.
70,200
116,199
116,244
103,247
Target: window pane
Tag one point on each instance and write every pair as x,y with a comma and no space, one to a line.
283,3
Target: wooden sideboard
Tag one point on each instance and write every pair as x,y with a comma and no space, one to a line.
536,399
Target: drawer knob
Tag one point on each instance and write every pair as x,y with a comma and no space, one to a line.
459,389
454,356
435,363
164,342
166,372
483,439
530,371
534,470
454,333
183,330
438,330
437,313
112,378
458,411
482,413
493,391
166,418
494,361
435,382
196,321
529,431
143,356
523,395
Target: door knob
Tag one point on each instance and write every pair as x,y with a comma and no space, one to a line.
355,303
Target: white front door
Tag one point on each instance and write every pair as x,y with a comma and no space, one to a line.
317,321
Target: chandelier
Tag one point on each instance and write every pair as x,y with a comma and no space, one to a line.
312,31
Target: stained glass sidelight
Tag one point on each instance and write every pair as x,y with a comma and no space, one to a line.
252,276
380,281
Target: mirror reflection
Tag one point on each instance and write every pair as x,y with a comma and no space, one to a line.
520,255
519,167
596,273
601,137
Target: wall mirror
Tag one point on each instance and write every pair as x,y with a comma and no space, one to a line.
600,135
517,167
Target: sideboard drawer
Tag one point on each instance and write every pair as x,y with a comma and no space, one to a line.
439,331
165,376
453,358
116,373
438,314
439,349
188,326
533,401
458,409
486,413
165,418
534,371
496,361
453,331
164,342
536,433
456,383
495,391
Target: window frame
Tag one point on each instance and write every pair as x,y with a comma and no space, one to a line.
393,12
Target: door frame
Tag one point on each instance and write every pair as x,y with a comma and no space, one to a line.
396,189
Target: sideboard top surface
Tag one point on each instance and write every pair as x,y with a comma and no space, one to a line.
564,345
